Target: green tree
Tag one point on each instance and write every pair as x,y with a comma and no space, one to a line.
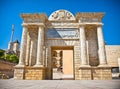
1,53
8,56
14,58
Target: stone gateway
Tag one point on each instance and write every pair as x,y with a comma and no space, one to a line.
62,46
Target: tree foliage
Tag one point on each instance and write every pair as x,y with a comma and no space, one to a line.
9,57
1,53
12,58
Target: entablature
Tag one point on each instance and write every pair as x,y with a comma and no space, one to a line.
62,25
34,18
89,17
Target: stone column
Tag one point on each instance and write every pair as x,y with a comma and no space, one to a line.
101,45
28,49
83,46
23,47
39,60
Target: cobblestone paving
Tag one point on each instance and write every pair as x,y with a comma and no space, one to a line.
59,84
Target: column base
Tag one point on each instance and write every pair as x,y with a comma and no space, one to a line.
19,65
95,73
19,72
30,73
85,73
101,72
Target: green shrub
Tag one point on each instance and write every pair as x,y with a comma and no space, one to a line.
1,53
14,58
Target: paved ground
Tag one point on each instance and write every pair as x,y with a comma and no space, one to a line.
59,84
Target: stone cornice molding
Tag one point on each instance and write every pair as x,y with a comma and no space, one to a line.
95,23
90,24
90,16
35,17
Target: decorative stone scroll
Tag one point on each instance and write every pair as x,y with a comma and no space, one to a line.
61,15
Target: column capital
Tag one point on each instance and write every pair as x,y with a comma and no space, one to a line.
99,25
58,51
41,26
81,25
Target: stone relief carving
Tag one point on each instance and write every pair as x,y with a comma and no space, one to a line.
61,15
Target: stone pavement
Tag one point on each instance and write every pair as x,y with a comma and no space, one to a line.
59,84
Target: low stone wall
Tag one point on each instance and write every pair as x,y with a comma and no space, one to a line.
30,73
7,68
95,73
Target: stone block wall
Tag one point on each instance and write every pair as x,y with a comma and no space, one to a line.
19,73
112,54
30,73
7,67
101,73
84,73
95,73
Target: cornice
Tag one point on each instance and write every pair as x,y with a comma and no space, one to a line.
90,16
27,16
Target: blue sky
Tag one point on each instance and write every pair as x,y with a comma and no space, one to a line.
10,11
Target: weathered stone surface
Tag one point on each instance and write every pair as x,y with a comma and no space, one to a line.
30,73
83,36
59,84
113,53
95,73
